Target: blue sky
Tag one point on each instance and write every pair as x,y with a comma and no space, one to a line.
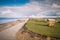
12,2
29,8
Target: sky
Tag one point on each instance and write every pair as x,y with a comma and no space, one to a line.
29,8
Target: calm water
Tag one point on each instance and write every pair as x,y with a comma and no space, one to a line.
5,20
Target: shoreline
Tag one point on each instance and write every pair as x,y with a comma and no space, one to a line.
10,33
9,24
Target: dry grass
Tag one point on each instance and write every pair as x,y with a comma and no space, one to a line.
24,35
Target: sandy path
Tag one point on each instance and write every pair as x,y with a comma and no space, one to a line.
10,33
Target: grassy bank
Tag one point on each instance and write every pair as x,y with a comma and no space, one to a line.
40,26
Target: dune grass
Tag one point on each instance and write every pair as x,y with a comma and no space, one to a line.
40,26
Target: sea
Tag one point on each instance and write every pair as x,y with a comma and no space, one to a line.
5,20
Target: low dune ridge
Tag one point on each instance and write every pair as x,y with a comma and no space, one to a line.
36,29
25,34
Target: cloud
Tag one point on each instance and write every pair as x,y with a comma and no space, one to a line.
55,6
27,9
51,3
31,9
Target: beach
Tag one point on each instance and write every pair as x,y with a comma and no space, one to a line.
10,33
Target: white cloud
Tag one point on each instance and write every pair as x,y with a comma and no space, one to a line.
55,6
30,9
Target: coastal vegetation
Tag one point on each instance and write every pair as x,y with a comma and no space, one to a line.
40,26
39,29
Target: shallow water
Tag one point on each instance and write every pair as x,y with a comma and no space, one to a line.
5,20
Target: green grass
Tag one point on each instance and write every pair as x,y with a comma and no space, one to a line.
40,27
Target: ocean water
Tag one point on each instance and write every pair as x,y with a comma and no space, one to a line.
5,20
